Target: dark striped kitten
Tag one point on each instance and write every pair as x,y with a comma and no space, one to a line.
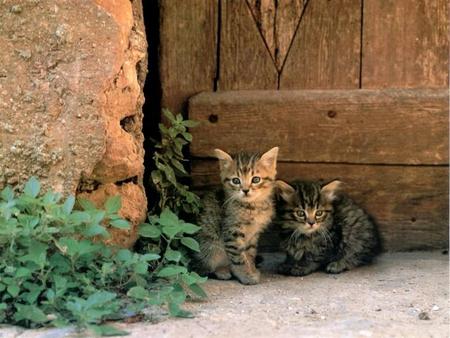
234,216
322,228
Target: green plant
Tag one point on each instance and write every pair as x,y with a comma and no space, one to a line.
55,270
168,159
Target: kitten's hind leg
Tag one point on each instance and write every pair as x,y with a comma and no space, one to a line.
286,266
348,262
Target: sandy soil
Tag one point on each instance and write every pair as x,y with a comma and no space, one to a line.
386,299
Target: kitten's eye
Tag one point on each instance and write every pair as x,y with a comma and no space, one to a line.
236,181
300,213
256,179
319,213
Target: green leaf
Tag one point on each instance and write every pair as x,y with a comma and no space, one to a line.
172,255
138,292
149,231
193,278
176,311
124,255
13,290
113,204
29,312
32,187
198,290
79,217
171,270
141,268
120,224
150,257
68,246
189,228
22,272
156,177
170,175
95,230
86,247
187,136
191,123
190,243
35,291
49,198
107,331
177,164
68,205
100,298
167,113
172,231
167,217
86,204
177,295
7,194
37,253
96,216
50,295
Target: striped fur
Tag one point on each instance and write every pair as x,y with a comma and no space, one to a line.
322,228
234,216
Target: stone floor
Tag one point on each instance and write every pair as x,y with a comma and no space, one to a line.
401,295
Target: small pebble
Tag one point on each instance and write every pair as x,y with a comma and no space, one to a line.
378,309
424,316
435,308
16,9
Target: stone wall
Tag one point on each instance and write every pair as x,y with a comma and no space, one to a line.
71,80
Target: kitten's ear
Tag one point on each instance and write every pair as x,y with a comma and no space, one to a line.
330,189
286,191
269,158
224,159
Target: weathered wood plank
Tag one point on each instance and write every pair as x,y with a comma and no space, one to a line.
405,43
393,126
326,49
188,42
245,62
277,21
410,203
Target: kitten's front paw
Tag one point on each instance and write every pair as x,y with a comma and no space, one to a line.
336,267
223,273
250,279
246,277
300,271
284,269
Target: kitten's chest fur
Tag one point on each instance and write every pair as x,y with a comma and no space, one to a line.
250,218
315,244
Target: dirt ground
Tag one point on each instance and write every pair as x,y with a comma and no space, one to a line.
401,295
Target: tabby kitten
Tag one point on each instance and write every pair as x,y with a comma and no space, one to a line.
233,217
322,228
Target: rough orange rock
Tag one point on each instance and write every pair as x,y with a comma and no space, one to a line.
71,81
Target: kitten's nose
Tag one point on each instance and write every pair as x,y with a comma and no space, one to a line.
245,191
311,223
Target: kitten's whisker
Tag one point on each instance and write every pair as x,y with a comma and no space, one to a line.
327,235
294,236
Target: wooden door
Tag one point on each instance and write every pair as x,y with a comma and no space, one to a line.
355,89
